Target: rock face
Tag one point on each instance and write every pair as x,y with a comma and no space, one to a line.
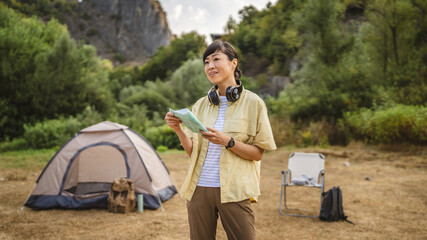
121,30
274,86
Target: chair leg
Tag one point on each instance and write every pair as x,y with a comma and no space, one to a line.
283,194
280,202
286,206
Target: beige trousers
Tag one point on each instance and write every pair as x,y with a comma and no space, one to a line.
237,218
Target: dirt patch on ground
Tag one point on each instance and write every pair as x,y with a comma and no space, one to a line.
383,189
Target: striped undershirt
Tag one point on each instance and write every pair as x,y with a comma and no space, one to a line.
209,176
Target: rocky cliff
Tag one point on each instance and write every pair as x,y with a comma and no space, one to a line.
123,31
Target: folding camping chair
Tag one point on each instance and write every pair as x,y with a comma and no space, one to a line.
304,169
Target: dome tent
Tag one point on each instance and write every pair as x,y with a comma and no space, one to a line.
80,174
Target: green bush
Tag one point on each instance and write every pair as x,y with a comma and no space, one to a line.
51,133
157,96
55,132
89,116
15,144
189,82
119,57
167,59
390,125
162,136
162,148
134,116
300,134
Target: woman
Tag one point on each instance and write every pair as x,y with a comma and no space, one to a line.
224,172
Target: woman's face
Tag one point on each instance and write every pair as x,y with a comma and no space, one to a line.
219,69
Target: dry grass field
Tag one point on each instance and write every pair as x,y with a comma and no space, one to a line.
384,193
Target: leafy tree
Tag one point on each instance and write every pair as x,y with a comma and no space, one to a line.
330,81
267,38
20,42
319,21
231,25
394,37
189,82
45,74
121,77
94,74
56,81
155,96
167,59
45,9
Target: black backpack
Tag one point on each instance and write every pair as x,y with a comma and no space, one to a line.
332,209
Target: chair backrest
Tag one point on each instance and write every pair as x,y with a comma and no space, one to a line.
310,164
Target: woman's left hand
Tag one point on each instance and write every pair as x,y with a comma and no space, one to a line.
243,150
215,136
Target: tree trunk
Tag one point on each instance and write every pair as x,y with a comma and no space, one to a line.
394,38
385,53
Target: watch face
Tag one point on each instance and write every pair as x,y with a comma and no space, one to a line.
231,143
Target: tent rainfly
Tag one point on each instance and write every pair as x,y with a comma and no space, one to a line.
80,174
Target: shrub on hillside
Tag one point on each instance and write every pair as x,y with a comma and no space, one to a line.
189,82
300,134
167,59
391,125
162,148
51,133
134,116
162,136
15,144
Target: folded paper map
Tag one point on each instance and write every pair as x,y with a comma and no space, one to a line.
189,120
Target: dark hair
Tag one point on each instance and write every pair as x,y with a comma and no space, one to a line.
228,50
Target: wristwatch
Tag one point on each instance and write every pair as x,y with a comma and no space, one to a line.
230,144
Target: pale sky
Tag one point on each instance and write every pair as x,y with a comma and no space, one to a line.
205,17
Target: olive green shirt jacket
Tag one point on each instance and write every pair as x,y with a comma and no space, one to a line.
246,120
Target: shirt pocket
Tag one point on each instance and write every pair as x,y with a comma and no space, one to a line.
241,130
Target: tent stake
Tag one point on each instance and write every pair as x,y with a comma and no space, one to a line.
29,194
161,205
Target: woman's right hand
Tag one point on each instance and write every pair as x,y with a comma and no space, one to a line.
173,122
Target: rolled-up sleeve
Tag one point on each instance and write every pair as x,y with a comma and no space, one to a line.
264,137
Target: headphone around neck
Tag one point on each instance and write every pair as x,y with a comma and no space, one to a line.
232,93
